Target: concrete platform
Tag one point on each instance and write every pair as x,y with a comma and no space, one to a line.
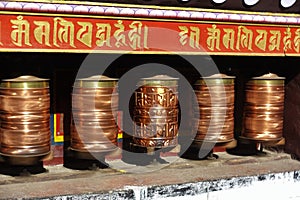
180,178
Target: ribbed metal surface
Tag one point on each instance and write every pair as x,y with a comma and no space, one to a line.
94,106
25,116
215,101
263,109
156,112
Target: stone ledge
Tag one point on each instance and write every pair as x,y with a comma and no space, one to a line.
180,178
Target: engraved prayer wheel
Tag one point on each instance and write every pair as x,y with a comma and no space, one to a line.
215,101
263,108
25,117
94,109
156,112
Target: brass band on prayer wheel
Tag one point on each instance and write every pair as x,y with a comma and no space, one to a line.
25,82
25,116
263,109
215,101
156,112
95,106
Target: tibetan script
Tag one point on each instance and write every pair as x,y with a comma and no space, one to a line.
56,33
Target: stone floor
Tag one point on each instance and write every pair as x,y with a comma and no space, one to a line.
122,180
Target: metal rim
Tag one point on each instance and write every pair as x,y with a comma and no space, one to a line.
97,81
25,82
159,80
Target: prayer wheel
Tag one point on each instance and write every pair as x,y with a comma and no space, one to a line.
25,117
263,108
155,113
94,126
215,101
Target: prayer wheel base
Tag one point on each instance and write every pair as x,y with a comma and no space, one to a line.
264,142
89,154
255,147
261,144
193,152
224,143
24,160
85,160
150,150
21,170
147,155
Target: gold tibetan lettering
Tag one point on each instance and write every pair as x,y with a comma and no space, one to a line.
191,35
42,32
84,34
274,40
146,37
244,38
287,39
103,34
183,34
228,38
119,34
63,31
135,35
261,39
20,34
213,39
194,37
297,41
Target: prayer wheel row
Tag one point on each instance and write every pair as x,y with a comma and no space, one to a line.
25,112
263,108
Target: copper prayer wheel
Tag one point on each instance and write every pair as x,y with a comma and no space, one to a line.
95,105
263,109
215,101
25,117
156,112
